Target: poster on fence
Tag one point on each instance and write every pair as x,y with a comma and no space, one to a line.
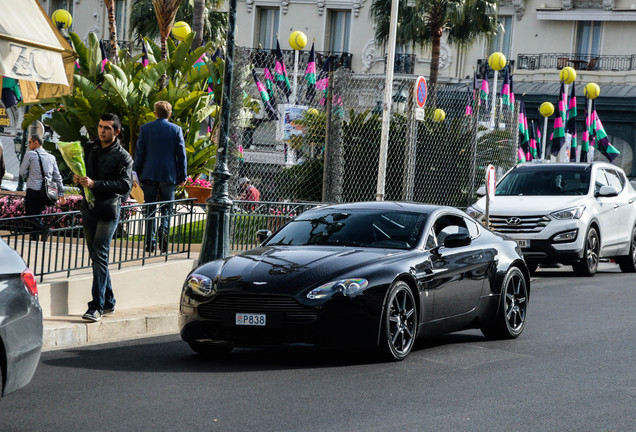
288,125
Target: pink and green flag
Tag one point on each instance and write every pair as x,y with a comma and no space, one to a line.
144,58
310,74
505,91
534,148
269,85
322,83
587,134
558,132
280,73
472,97
602,142
571,123
524,136
271,112
483,93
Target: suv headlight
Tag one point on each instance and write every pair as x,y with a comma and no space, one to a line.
570,213
474,213
348,287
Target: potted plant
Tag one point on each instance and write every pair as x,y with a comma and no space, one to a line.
199,189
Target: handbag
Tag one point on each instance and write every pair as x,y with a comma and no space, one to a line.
49,188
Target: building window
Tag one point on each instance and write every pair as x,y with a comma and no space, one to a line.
588,38
267,27
339,31
121,18
502,41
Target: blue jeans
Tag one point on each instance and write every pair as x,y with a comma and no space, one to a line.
155,191
98,234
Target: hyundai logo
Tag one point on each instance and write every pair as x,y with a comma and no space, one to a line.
514,221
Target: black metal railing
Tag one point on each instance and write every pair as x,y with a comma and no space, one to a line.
54,243
121,44
579,61
482,66
262,58
404,63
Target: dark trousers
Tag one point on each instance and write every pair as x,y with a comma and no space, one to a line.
155,191
33,205
98,234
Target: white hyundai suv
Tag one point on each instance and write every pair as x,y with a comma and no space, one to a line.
568,213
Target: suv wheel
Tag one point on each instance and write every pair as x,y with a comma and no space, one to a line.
628,262
589,264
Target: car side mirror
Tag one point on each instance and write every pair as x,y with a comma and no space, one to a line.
481,191
262,235
607,191
457,240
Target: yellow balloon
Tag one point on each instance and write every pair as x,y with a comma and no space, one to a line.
546,109
439,115
62,17
297,40
181,30
497,61
591,91
567,75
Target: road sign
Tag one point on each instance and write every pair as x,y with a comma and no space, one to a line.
421,91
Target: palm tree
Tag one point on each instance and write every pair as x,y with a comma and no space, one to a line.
143,22
165,11
112,27
423,23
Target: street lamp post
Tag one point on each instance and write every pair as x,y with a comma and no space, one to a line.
216,238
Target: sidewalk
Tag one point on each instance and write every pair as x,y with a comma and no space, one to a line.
147,304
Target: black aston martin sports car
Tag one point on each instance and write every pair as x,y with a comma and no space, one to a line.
363,275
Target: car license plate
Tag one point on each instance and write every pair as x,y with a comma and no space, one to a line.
523,243
251,319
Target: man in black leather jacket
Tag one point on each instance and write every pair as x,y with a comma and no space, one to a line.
109,176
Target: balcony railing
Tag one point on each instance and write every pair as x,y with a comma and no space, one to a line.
404,63
579,61
262,58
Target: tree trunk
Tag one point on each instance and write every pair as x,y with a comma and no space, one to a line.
198,12
434,72
112,27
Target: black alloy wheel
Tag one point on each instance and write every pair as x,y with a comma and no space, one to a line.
628,263
399,322
589,264
511,316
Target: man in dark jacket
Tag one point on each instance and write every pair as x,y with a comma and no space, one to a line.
109,176
160,163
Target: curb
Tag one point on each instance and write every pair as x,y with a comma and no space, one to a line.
72,331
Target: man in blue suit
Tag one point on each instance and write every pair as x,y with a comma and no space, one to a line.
160,163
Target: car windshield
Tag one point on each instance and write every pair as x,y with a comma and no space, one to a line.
545,182
360,228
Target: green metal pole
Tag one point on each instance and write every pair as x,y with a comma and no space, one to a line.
216,238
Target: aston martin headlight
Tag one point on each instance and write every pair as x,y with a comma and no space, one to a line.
348,287
570,213
200,285
474,213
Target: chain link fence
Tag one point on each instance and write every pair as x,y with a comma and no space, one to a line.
326,148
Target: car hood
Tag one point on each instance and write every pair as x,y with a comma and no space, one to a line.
522,205
10,261
289,270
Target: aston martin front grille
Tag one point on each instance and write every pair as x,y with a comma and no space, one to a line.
518,224
293,312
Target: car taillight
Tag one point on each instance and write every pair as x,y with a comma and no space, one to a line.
29,282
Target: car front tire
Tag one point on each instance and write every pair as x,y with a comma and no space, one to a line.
511,316
628,263
589,264
399,323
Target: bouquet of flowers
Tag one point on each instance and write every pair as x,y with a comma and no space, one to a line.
198,182
73,155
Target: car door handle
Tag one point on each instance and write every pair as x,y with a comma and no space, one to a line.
630,201
615,206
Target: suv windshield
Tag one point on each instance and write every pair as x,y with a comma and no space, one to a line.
542,181
395,230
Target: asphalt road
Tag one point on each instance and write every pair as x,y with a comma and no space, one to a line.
571,370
